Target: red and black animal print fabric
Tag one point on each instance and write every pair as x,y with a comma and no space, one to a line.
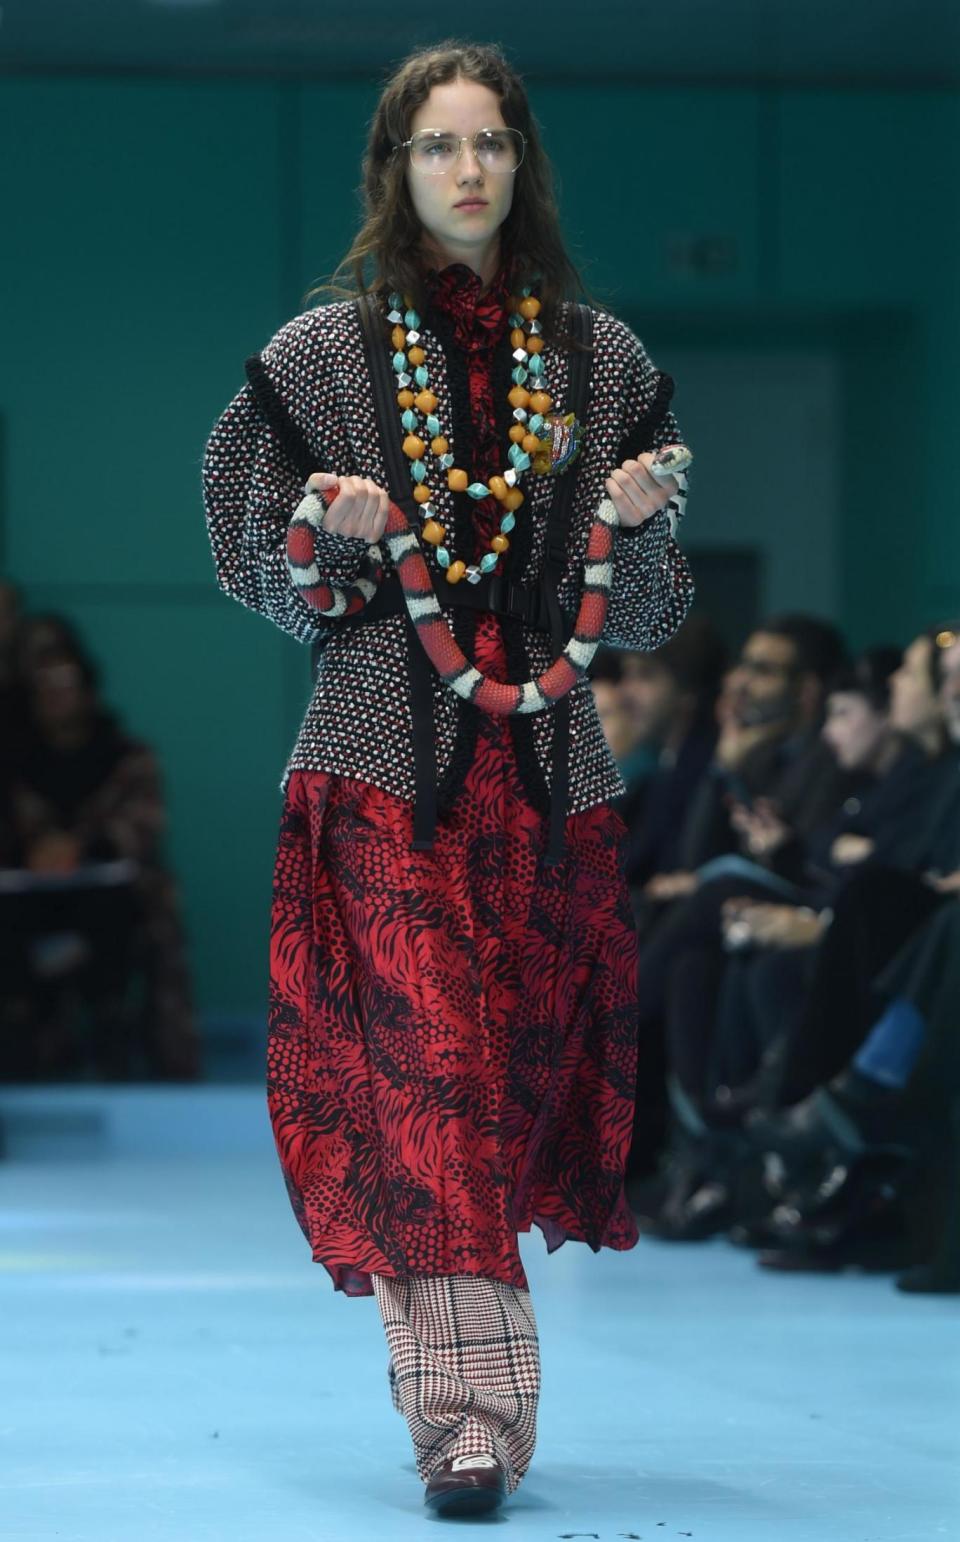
452,1039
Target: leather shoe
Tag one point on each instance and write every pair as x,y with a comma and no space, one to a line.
466,1485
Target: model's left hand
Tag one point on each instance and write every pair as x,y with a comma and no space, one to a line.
636,493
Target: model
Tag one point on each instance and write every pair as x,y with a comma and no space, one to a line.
454,482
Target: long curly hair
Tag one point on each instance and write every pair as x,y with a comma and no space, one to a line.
386,252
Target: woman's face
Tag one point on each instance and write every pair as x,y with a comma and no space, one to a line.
854,729
950,690
465,234
914,705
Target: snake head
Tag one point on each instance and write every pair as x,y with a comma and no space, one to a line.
671,459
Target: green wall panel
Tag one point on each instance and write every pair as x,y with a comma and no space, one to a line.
143,258
646,175
331,130
863,176
870,214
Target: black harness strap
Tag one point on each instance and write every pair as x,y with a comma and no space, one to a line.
554,566
398,485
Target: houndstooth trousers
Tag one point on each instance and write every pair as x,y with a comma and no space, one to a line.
464,1367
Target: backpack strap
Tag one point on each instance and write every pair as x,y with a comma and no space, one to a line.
556,555
398,485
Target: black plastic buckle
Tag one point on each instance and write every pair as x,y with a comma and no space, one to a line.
497,596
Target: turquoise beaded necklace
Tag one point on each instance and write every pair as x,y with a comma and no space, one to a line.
418,414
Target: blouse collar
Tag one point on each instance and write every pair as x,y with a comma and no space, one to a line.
458,290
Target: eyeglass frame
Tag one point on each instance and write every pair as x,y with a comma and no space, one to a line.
504,128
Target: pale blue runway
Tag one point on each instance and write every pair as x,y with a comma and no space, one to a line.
175,1367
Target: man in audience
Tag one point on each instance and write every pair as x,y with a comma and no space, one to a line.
670,696
769,748
771,767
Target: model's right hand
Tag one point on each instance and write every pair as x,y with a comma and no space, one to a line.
360,508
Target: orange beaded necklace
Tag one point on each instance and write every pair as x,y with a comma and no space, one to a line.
530,406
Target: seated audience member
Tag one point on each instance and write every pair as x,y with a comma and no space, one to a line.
770,760
809,981
42,636
860,731
769,711
884,898
787,736
670,696
606,682
889,723
636,760
88,904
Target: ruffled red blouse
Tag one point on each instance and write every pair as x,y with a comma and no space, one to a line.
480,317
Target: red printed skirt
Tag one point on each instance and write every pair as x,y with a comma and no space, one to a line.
452,1039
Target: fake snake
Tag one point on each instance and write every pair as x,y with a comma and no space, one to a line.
423,607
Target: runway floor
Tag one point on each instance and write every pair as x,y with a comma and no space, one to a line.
175,1367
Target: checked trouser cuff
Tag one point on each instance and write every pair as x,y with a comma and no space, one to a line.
466,1368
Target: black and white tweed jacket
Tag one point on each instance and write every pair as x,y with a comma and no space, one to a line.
358,721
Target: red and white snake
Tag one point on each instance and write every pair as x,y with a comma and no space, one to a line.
423,607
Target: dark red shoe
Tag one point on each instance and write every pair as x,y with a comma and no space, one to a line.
467,1485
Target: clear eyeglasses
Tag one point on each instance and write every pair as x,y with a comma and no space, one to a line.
433,152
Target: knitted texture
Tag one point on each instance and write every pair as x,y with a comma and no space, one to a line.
358,720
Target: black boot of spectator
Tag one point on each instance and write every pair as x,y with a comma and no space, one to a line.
730,1107
680,1170
940,1275
699,1197
852,1218
852,1113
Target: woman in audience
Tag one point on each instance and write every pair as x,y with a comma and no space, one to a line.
89,903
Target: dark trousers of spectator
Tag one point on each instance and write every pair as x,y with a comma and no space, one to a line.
38,1042
761,1001
874,916
825,1008
682,965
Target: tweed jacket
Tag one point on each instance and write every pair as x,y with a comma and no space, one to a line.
358,720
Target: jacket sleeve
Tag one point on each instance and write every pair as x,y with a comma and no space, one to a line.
652,583
251,492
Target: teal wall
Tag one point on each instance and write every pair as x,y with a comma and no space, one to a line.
157,232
